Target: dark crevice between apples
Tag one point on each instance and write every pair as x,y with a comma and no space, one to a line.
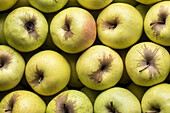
38,77
158,25
63,105
110,24
154,110
11,103
111,109
149,61
105,63
67,29
5,59
30,26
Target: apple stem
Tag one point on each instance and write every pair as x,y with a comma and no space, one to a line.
0,65
8,110
41,78
144,68
100,77
157,22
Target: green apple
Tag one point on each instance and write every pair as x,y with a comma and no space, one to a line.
147,63
2,20
148,2
99,67
138,91
20,3
156,99
73,30
94,4
70,101
47,72
157,23
6,4
74,80
125,77
117,100
92,94
131,2
12,67
48,6
72,3
25,29
119,25
143,9
22,101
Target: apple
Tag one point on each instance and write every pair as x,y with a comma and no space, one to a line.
91,94
156,99
20,3
2,20
48,6
131,2
99,67
117,100
47,72
6,4
94,4
70,101
22,101
143,9
25,29
148,2
138,91
157,22
74,80
119,25
12,67
147,63
73,30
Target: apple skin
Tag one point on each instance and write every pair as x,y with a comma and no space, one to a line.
72,100
94,4
157,23
6,4
156,99
131,2
99,67
117,100
12,68
25,29
48,6
2,20
74,80
119,25
73,30
147,63
47,72
22,101
148,2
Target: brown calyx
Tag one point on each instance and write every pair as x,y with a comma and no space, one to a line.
30,26
110,24
159,24
38,77
66,28
105,63
63,105
11,103
5,59
111,109
149,61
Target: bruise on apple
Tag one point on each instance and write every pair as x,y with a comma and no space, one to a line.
111,109
63,105
105,63
158,25
110,24
30,26
66,28
11,103
5,59
149,61
38,77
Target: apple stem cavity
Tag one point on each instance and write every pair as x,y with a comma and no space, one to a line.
5,59
11,103
110,24
111,108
